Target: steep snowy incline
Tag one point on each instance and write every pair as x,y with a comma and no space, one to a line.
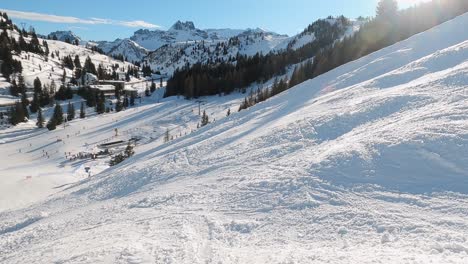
367,163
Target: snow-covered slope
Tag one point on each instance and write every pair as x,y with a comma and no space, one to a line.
130,50
224,33
367,163
51,69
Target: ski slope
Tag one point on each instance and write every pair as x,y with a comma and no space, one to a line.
367,163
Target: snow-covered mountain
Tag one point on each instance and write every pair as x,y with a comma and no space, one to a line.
225,33
185,44
367,163
65,35
129,49
165,46
137,47
180,32
249,42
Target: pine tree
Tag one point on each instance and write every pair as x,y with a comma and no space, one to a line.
46,48
21,84
40,119
52,124
17,114
89,66
77,63
101,72
204,120
100,103
82,111
37,97
53,86
24,105
68,62
70,112
60,94
14,90
58,114
7,58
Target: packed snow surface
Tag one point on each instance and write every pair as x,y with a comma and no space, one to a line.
367,163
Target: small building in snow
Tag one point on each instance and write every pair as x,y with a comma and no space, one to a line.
107,89
119,85
7,102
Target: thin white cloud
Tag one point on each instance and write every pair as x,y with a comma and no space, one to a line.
138,24
77,27
74,20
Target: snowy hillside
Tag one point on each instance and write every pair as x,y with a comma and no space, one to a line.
367,163
51,69
129,49
225,33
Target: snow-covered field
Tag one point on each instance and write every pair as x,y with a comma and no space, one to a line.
367,163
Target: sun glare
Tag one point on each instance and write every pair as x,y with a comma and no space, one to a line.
410,2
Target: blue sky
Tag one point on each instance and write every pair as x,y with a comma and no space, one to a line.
111,19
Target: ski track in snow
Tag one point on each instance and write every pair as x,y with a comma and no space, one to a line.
367,163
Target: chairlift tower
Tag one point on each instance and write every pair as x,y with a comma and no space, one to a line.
199,106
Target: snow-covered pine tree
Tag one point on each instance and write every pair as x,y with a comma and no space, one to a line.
204,120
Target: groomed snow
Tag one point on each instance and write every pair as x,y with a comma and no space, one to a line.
367,163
